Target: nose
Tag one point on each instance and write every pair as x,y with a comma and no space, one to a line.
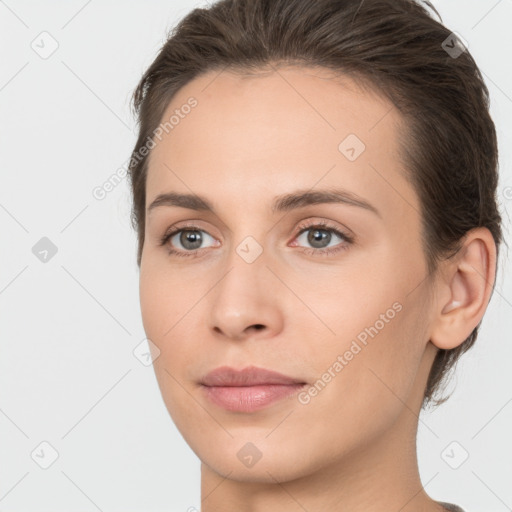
245,302
231,331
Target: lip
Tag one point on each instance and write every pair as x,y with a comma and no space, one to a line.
248,390
249,376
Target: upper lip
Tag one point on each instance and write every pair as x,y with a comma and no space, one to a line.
249,376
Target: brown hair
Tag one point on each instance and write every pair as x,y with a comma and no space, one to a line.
449,148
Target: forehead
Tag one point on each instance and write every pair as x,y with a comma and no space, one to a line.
265,132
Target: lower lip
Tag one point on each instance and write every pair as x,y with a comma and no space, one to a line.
249,398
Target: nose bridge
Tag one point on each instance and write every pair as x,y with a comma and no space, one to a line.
247,240
242,296
245,268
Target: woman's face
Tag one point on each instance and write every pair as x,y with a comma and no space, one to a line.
330,293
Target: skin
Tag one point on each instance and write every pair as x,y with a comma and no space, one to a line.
249,139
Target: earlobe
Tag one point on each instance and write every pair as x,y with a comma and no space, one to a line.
464,293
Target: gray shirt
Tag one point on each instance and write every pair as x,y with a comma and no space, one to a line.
451,507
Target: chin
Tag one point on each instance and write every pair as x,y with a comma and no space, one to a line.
243,460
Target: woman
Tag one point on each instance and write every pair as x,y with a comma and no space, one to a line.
314,196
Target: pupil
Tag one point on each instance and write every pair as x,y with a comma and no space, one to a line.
318,235
192,237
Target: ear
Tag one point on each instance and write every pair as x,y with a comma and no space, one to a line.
464,289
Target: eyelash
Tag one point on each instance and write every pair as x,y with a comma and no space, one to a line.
322,225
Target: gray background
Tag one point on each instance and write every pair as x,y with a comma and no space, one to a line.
69,326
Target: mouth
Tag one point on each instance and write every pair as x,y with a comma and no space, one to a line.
248,390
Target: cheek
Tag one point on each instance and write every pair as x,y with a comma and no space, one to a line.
160,310
151,305
167,309
376,341
161,301
383,372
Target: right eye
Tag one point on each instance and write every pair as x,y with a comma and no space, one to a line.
190,239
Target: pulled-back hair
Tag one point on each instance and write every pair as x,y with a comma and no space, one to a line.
449,148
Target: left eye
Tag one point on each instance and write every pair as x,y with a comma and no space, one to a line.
318,235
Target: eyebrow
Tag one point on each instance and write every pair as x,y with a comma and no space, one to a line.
283,203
